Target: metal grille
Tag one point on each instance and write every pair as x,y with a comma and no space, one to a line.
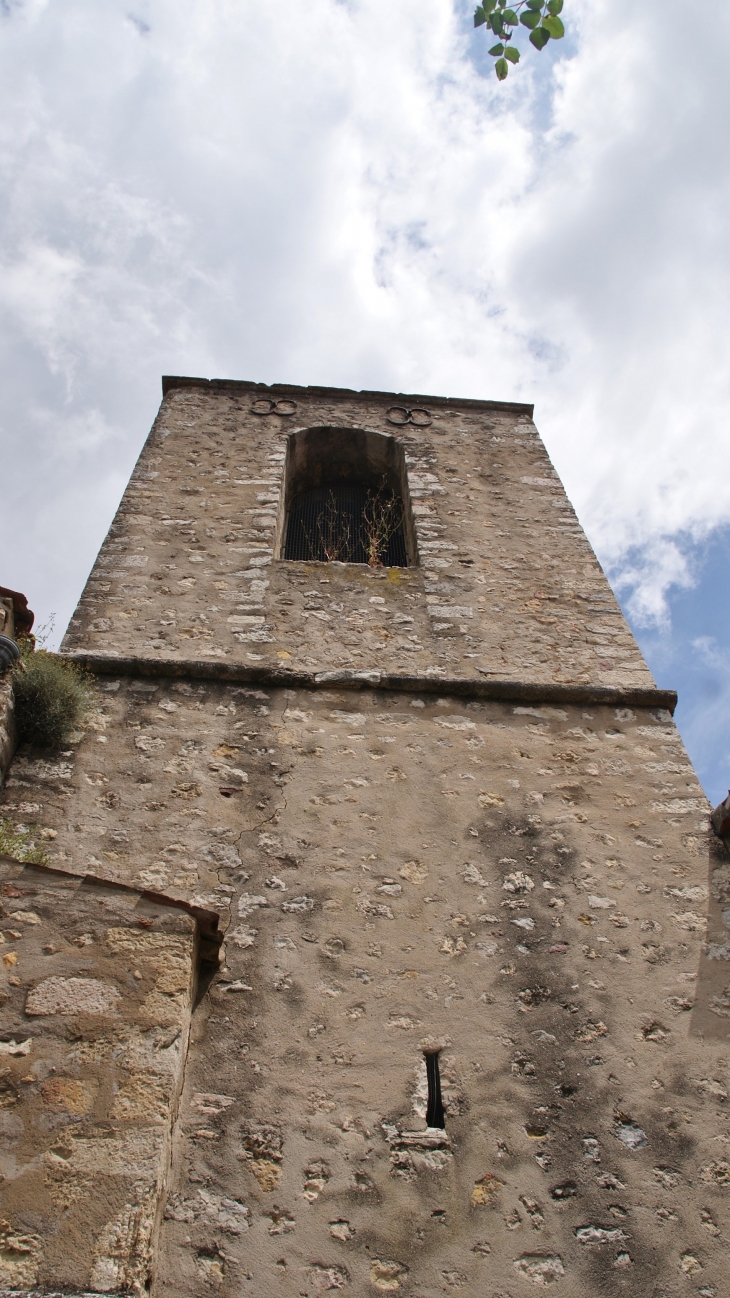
338,523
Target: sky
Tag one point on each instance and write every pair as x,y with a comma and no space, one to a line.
340,192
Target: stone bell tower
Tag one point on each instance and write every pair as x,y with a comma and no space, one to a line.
366,698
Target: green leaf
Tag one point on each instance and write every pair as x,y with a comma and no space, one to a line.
539,38
555,7
554,27
496,24
535,5
497,49
488,6
510,17
512,54
530,19
501,67
479,16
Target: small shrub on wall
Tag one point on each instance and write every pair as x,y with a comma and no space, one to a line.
51,696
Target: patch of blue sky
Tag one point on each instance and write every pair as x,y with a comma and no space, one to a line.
691,653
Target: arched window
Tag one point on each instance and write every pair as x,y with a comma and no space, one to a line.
346,499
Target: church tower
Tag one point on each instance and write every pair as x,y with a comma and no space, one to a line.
368,709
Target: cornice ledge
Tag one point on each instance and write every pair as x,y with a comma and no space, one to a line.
433,682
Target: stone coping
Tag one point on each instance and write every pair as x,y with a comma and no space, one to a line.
172,381
425,683
207,921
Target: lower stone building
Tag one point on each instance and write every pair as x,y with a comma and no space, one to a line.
468,1030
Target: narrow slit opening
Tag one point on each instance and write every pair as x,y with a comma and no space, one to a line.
434,1108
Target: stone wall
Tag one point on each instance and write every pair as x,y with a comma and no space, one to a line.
424,829
526,886
7,724
96,990
507,585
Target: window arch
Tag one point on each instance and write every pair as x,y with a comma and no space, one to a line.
346,498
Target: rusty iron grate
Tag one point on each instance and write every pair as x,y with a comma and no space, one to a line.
331,523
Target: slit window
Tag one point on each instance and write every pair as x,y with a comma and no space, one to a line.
435,1109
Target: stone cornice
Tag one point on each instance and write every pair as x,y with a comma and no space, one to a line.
508,691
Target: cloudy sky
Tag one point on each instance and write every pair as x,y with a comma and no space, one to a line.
339,192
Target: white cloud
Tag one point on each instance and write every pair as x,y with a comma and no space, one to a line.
335,193
646,577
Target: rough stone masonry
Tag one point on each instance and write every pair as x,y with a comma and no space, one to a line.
442,812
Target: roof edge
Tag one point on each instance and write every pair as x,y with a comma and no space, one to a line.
171,382
207,920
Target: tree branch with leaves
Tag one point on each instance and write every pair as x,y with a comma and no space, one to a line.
540,17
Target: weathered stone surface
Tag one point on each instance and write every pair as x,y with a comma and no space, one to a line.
527,886
506,585
7,724
89,1079
71,996
424,837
